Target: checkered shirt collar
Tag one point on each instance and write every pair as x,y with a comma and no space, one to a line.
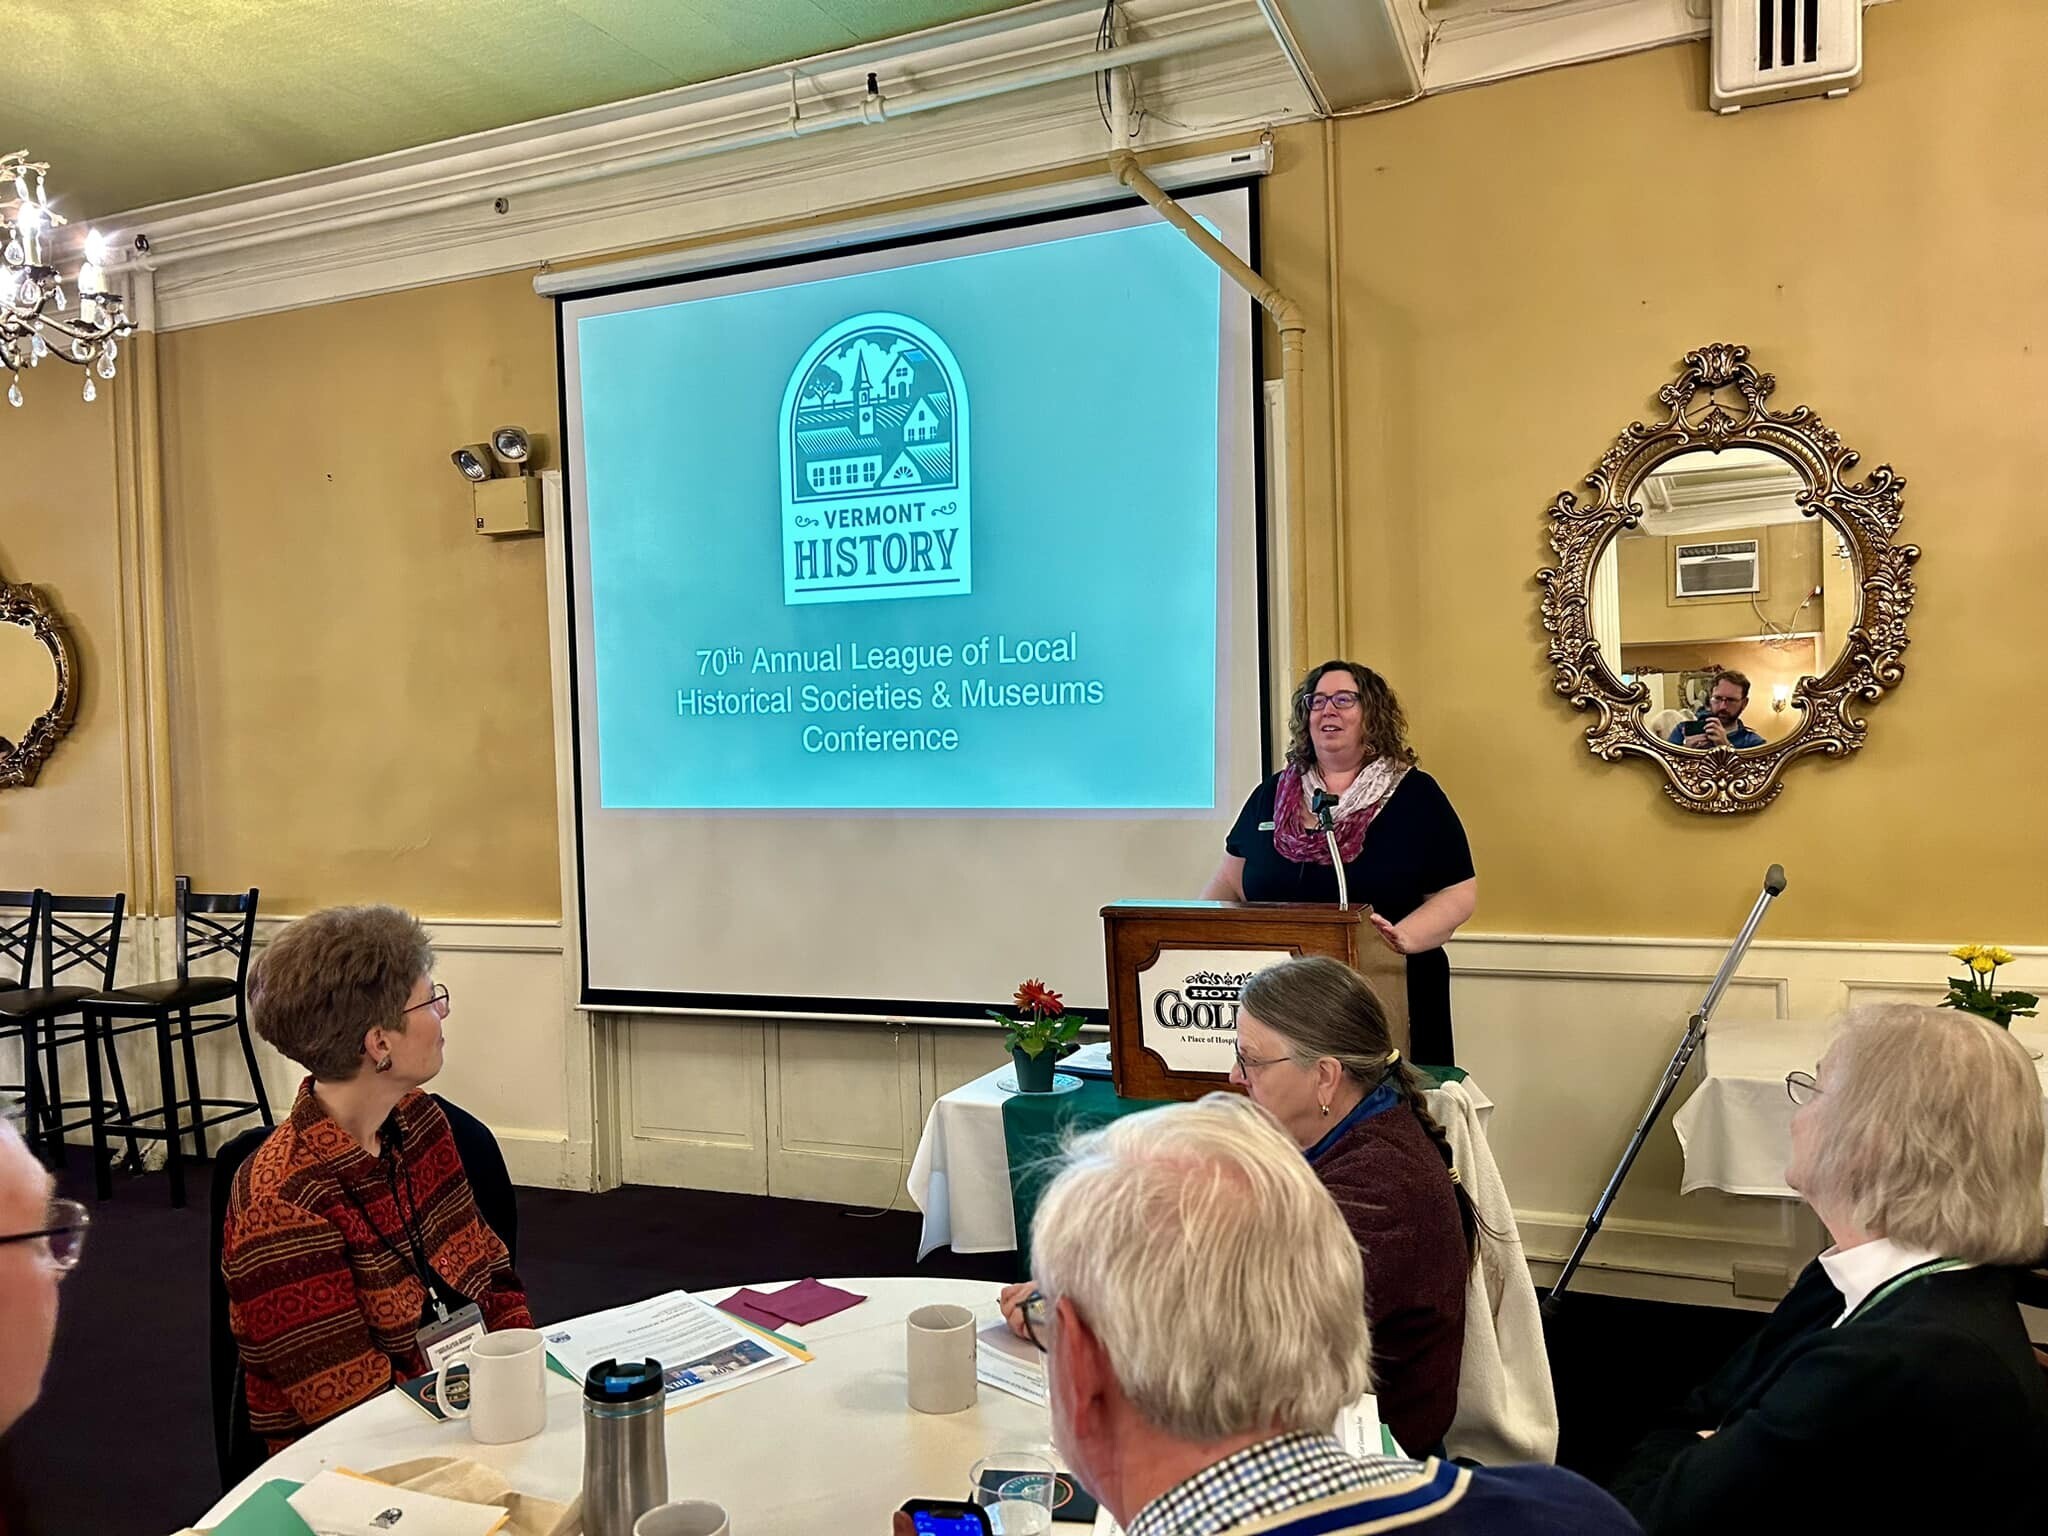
1265,1479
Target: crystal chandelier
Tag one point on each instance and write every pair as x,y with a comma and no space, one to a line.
33,324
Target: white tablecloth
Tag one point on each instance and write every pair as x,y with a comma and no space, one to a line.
960,1177
1736,1129
831,1446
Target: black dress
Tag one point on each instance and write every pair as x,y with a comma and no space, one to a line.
1415,847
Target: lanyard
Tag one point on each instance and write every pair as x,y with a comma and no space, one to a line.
1900,1282
413,1255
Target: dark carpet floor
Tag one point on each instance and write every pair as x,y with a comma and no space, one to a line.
120,1444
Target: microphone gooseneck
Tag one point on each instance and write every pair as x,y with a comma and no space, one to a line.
1324,804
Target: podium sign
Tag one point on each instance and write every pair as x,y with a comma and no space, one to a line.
1187,1004
1176,970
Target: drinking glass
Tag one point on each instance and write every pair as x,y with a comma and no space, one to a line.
1016,1488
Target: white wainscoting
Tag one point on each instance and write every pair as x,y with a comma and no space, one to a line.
811,1111
1568,1035
1571,1036
506,1042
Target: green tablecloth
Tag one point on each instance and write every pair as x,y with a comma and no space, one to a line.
1036,1127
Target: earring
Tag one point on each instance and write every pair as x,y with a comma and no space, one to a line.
385,1066
1326,1111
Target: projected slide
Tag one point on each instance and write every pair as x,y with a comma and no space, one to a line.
938,536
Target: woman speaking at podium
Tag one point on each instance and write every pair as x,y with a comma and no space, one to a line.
1404,849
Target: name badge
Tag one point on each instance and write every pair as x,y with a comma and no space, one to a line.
1265,826
445,1338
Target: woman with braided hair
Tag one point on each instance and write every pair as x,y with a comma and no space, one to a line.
1313,1048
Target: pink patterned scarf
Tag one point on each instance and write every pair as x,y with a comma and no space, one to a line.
1369,792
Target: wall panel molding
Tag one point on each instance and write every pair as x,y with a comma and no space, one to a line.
1567,1035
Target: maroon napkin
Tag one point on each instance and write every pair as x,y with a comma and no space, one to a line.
807,1301
744,1305
804,1302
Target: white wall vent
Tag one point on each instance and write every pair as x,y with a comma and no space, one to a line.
1718,570
1775,50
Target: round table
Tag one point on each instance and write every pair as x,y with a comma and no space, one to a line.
831,1446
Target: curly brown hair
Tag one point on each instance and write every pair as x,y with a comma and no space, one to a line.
1386,728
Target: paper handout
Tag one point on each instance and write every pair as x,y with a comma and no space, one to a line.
1008,1363
702,1351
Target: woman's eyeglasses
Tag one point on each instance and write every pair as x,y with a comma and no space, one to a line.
1319,702
438,1002
63,1234
1802,1087
1247,1065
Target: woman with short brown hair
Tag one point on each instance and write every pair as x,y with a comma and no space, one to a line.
353,1230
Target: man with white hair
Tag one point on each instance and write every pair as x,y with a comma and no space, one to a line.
40,1239
1196,1293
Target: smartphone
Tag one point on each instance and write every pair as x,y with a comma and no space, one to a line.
1692,728
947,1517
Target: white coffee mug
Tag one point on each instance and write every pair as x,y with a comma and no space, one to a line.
941,1359
508,1386
689,1517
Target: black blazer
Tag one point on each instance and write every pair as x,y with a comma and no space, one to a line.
1927,1412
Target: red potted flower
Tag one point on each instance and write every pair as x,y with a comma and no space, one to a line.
1034,1036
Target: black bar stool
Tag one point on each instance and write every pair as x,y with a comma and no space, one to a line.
17,970
207,926
41,1014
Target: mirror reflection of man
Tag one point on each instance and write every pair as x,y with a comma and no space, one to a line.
1720,724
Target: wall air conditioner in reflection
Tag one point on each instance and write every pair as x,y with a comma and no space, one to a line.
1727,569
1776,50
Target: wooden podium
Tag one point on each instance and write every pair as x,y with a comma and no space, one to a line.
1175,970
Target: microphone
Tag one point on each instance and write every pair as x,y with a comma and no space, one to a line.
1774,879
1324,805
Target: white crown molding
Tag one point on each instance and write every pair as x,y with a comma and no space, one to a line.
1478,47
1499,43
428,216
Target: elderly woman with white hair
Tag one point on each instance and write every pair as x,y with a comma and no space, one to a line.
1894,1387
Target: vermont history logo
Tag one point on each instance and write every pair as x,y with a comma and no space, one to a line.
874,466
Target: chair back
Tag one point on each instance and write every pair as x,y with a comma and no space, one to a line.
18,938
215,925
68,946
236,1450
484,1166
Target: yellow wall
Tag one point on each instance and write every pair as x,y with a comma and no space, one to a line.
361,706
359,684
57,530
1507,308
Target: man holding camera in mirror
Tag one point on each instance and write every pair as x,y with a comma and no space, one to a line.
1720,723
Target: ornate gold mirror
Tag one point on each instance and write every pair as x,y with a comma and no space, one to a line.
38,683
1728,596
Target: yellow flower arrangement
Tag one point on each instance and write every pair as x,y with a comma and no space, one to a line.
1977,992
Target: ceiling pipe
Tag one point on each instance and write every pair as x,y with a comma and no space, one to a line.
873,108
1293,329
